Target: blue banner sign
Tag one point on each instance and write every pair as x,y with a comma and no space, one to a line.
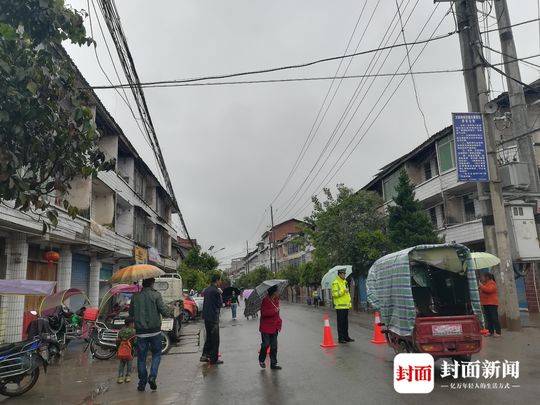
471,157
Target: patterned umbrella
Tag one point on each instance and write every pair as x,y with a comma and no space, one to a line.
253,302
136,272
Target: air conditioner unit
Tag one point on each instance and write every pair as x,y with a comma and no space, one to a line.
515,175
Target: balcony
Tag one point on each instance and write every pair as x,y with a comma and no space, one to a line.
433,187
464,233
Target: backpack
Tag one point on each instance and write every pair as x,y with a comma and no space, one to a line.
125,350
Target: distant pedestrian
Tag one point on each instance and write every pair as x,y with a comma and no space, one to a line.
315,295
125,345
234,304
342,303
191,292
270,326
490,303
147,308
212,304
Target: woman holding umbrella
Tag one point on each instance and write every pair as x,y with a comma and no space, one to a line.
270,326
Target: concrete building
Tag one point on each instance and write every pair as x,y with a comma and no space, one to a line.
453,206
287,250
124,217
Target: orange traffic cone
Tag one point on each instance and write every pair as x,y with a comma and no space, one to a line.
328,340
378,337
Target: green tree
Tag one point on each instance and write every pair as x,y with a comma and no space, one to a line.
310,274
195,259
290,273
193,278
47,130
254,277
340,227
409,224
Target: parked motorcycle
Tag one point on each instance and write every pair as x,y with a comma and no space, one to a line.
20,366
102,341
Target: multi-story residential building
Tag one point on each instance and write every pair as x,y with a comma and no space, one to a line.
454,207
124,217
285,252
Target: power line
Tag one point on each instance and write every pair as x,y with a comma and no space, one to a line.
511,57
112,18
410,69
294,199
297,66
311,135
327,179
124,98
321,78
269,70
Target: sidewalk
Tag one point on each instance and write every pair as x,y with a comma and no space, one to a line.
81,380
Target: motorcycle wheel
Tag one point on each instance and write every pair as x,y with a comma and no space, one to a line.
165,343
177,326
101,352
21,387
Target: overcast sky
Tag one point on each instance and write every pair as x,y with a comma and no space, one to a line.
230,148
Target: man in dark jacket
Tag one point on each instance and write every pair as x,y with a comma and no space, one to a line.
147,308
211,306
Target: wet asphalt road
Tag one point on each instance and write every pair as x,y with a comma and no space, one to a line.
358,372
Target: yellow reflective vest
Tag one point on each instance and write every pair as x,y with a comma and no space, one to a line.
340,294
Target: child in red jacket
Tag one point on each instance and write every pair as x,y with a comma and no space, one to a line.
270,326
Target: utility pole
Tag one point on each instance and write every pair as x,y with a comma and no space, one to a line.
516,95
490,195
273,261
247,257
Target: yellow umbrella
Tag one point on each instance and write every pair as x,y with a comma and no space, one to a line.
484,260
135,273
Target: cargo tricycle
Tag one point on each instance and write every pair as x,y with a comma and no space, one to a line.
428,301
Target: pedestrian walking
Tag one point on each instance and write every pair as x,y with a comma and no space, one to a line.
234,305
147,308
270,326
315,295
490,302
212,304
342,303
125,344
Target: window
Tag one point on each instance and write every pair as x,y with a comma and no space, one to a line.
162,240
427,170
433,216
389,186
292,248
446,153
139,183
139,226
518,211
161,207
468,206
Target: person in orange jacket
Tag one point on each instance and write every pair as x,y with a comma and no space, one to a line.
490,302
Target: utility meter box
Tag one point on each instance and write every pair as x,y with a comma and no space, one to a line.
515,175
524,232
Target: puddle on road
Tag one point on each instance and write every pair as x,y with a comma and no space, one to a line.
99,390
